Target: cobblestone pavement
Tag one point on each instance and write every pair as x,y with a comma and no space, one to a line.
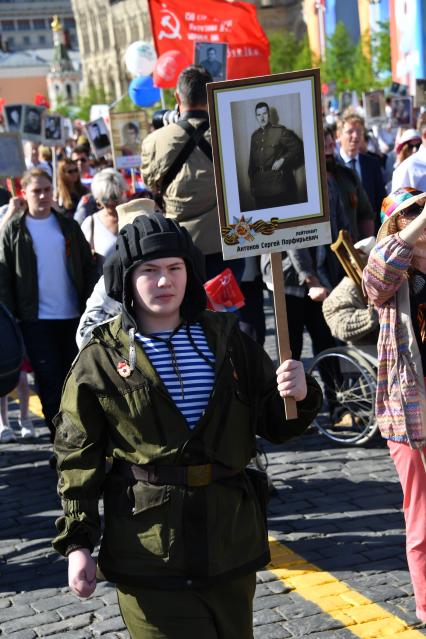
338,568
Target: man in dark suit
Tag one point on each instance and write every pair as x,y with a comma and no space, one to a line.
350,132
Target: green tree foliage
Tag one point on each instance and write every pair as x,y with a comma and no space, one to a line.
305,59
362,74
339,59
381,52
283,51
288,53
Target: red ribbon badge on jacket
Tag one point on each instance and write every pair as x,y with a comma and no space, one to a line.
123,369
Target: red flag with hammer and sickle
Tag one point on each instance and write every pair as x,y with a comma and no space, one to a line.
177,25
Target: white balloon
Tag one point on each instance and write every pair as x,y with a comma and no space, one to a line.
140,58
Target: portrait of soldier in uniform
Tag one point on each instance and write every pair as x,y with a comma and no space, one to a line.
275,153
212,57
32,121
211,64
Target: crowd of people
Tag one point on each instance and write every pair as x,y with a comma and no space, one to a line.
161,399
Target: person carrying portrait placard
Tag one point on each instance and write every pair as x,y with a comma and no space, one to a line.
175,395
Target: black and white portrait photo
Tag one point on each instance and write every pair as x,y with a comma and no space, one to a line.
13,116
53,130
402,110
375,106
12,161
212,56
32,123
268,154
97,133
270,157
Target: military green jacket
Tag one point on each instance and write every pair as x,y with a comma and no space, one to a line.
18,265
268,144
167,535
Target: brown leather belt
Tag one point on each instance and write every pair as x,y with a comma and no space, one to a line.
200,475
192,476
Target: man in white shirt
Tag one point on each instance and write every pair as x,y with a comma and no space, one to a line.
32,158
46,276
412,171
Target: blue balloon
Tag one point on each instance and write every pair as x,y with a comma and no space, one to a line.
142,91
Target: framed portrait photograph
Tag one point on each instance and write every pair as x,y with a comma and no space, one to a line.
32,123
53,129
12,161
345,100
402,110
13,116
98,136
268,152
212,56
374,105
420,94
127,132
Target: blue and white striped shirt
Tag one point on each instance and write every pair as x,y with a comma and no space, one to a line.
197,375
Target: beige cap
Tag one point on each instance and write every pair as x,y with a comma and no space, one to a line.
130,210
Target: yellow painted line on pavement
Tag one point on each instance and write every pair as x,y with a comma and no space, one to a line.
360,615
35,405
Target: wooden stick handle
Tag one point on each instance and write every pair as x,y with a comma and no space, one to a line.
281,324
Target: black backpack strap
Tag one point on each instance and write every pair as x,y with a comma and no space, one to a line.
201,142
195,139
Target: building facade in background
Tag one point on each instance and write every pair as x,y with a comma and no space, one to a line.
105,29
279,15
63,79
25,24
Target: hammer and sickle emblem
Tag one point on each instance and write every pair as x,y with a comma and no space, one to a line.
171,26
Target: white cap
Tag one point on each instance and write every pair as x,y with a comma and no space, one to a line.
365,245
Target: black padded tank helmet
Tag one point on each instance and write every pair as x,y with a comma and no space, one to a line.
151,237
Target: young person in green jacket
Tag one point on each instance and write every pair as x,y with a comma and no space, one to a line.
175,395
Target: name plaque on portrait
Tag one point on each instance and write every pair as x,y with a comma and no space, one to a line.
245,238
268,152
